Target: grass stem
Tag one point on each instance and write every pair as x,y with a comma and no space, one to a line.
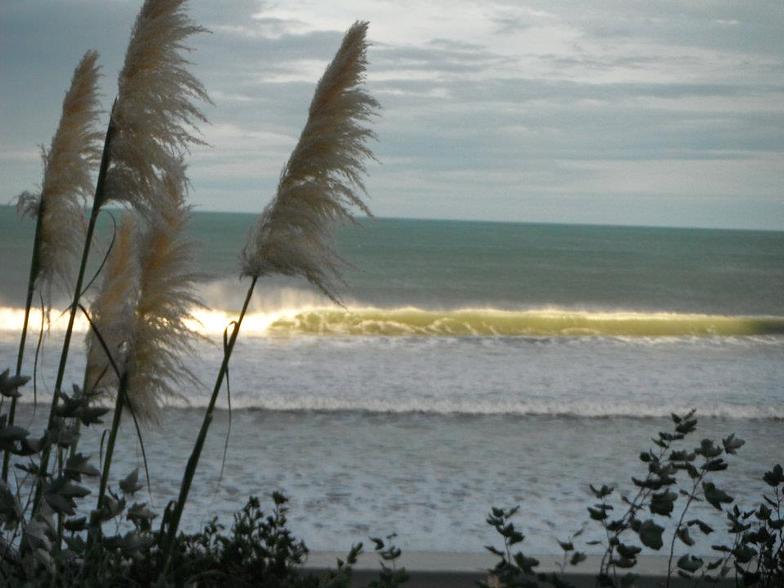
193,461
97,202
122,389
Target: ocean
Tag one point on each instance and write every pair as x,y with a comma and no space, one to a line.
474,364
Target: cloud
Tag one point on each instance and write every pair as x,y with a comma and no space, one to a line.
506,109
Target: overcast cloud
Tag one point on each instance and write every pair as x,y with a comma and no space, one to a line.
656,113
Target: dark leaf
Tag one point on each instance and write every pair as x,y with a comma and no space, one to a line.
60,504
732,444
715,496
687,426
715,465
13,433
130,485
775,476
91,415
651,534
662,503
379,544
705,528
708,449
10,509
682,456
628,551
527,564
763,513
623,562
491,549
690,563
71,490
139,512
683,535
78,465
744,553
597,514
601,492
9,384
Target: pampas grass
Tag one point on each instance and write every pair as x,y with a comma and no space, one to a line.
150,126
150,366
155,114
143,306
112,312
67,179
66,186
322,181
320,184
166,298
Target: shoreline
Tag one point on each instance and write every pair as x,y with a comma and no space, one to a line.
430,569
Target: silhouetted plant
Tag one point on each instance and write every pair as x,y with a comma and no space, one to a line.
259,550
390,575
515,569
630,522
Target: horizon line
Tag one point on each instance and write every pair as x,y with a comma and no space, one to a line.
198,210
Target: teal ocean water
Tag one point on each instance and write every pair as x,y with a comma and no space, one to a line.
448,277
473,364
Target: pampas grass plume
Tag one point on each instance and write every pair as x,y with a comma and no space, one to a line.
145,304
113,310
322,182
154,117
162,338
67,183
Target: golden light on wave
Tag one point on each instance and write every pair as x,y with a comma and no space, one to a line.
12,319
213,322
314,320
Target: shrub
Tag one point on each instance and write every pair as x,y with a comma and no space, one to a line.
755,557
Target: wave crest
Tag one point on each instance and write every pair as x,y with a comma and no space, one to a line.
477,322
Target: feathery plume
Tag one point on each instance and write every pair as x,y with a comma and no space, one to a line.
113,310
323,179
145,304
154,117
67,183
166,297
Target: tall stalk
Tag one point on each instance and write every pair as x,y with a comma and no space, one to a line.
34,266
97,202
193,461
321,183
107,460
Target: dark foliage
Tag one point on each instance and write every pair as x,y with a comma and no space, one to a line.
675,479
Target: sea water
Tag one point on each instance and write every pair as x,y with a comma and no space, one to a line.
473,364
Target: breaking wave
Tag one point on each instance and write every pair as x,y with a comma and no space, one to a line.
477,322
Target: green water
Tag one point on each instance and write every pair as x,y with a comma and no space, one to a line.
433,264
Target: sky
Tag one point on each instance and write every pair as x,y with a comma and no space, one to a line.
607,112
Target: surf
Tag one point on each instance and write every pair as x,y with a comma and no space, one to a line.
462,322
